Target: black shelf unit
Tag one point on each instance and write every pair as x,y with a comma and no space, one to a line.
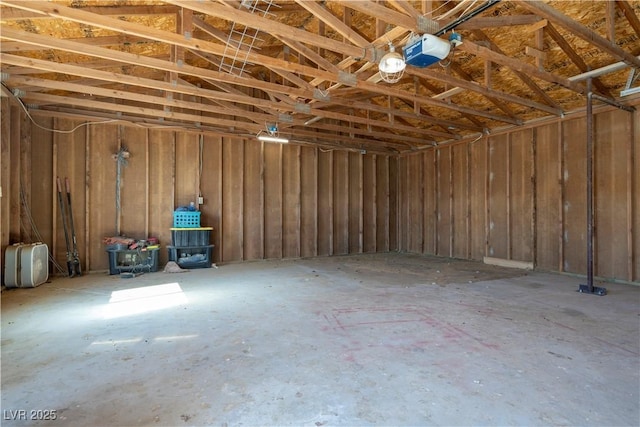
191,256
190,247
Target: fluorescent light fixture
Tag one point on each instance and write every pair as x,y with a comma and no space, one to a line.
268,138
631,91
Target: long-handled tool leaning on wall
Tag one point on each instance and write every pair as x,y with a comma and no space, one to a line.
66,213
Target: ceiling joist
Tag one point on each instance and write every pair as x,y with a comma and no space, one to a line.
314,67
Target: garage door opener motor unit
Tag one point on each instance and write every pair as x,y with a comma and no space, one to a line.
427,49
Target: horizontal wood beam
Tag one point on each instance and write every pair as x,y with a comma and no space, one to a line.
515,64
315,139
331,20
481,22
630,15
11,14
162,101
546,11
383,13
184,69
215,95
152,34
274,27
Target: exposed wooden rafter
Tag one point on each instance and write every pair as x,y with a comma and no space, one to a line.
315,70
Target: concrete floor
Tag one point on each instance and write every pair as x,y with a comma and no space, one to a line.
384,339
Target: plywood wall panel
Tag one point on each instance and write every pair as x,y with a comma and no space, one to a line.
325,202
382,212
308,201
101,188
394,178
291,201
635,196
355,203
430,202
187,165
340,202
77,173
161,187
575,190
611,142
498,197
13,183
444,236
415,203
477,198
460,201
253,201
134,185
212,179
369,216
23,173
69,162
232,197
548,196
273,200
42,191
315,202
521,196
6,120
403,204
305,201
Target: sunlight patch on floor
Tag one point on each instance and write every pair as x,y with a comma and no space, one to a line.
129,302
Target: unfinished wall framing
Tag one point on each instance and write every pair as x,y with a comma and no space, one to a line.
263,200
520,196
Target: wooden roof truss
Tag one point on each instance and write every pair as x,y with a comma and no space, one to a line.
311,66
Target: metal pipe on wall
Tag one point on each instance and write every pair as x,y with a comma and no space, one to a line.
589,288
589,185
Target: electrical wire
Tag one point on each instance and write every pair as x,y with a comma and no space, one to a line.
26,110
449,57
478,138
468,8
438,8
